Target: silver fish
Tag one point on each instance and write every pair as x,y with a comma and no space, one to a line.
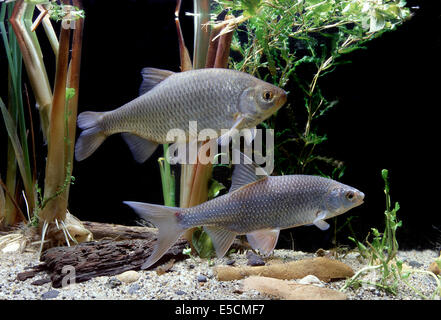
258,206
216,98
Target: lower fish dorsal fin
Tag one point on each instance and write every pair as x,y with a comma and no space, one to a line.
151,77
246,172
141,148
222,239
319,222
264,240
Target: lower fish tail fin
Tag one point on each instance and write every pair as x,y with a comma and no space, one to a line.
91,137
166,220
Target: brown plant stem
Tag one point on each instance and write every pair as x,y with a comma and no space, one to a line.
73,82
54,195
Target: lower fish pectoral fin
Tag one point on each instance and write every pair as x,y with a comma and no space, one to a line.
141,148
263,240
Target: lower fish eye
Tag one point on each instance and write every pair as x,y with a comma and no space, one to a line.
350,195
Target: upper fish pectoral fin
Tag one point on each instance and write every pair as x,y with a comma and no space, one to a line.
222,239
264,240
224,139
141,148
151,77
319,222
249,135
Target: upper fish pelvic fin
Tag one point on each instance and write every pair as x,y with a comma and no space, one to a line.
246,172
222,239
151,77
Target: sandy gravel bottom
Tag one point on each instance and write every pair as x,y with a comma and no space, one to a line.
194,279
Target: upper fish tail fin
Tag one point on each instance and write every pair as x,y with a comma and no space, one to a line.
165,219
92,136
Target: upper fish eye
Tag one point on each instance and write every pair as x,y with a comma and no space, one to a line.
267,95
350,195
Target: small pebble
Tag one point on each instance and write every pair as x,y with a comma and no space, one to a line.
113,282
414,264
180,292
310,279
202,278
51,294
230,262
254,259
128,276
133,288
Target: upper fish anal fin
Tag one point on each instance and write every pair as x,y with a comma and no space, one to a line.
222,239
141,148
246,172
151,77
263,240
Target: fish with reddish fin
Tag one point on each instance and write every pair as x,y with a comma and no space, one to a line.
258,206
218,99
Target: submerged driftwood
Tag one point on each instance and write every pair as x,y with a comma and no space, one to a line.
105,257
117,249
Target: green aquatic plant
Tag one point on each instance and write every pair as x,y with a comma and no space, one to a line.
282,39
386,270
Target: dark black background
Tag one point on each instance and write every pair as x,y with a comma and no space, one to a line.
386,118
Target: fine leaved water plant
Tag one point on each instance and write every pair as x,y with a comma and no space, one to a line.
385,271
295,44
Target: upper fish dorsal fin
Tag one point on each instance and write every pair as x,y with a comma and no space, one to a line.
151,77
245,173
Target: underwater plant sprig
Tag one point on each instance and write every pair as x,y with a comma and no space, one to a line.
381,256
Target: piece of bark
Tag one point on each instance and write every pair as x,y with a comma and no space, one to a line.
323,268
282,289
